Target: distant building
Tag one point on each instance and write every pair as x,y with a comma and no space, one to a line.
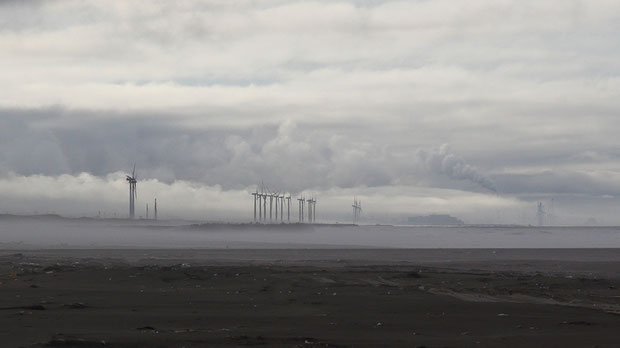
434,219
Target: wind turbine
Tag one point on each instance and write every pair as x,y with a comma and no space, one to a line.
260,206
282,208
264,206
276,196
354,206
540,214
133,194
288,208
314,209
255,194
303,207
357,208
310,210
270,205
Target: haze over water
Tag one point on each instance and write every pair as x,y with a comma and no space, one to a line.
104,234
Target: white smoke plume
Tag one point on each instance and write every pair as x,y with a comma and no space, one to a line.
442,161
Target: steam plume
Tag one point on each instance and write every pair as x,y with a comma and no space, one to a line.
442,161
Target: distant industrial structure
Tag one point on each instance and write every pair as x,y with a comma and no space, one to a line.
546,214
154,211
357,209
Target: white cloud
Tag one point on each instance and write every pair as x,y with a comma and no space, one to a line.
87,195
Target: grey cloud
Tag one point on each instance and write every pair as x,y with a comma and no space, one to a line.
28,150
316,94
559,182
289,155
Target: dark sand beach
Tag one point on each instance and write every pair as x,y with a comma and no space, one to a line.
310,298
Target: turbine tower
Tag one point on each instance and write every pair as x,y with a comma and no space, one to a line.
260,207
264,207
288,208
270,206
147,211
277,197
155,210
255,194
311,202
282,208
354,206
133,195
540,214
314,210
357,209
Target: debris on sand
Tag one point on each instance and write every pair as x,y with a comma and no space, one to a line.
184,330
76,305
415,275
74,342
31,307
578,322
148,328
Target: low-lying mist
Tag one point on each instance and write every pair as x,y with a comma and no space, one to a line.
57,232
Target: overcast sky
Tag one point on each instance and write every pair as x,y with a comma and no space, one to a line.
472,108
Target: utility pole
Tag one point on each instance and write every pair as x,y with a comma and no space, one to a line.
147,211
155,212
